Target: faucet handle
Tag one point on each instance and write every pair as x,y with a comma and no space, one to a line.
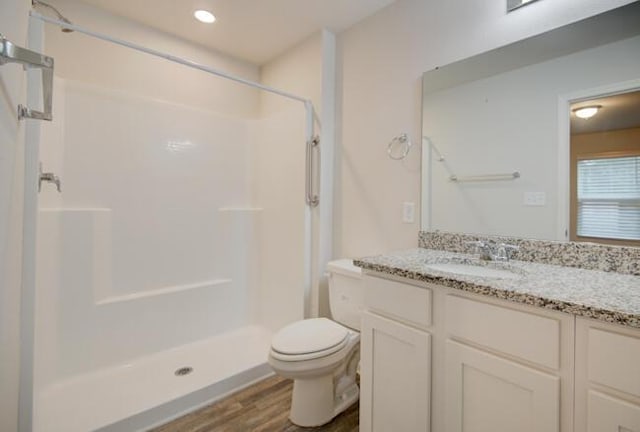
504,251
49,177
479,246
475,243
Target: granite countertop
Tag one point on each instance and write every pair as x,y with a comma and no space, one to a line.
605,296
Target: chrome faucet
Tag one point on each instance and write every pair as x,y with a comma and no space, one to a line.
489,251
50,178
503,252
482,249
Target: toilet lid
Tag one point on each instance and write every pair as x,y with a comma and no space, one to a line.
309,336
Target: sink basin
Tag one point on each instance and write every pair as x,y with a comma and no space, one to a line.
478,269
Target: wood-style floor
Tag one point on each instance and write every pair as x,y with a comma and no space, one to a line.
263,407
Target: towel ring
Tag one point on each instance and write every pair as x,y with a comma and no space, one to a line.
403,142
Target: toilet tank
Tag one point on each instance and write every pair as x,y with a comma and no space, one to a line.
346,293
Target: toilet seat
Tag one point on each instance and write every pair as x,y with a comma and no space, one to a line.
309,339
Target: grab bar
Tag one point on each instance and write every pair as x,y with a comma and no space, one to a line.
312,199
11,53
489,177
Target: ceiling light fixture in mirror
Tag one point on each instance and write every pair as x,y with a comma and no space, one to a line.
515,4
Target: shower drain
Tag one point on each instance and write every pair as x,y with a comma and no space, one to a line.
183,371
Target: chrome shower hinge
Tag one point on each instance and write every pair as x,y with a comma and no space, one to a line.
11,53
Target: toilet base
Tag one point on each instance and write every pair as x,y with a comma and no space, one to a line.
313,402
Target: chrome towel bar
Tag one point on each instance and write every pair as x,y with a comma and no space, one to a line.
488,177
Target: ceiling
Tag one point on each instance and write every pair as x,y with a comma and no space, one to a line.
620,111
252,30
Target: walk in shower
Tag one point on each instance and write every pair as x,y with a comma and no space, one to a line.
180,239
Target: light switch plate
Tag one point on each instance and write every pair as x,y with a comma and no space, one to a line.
535,199
408,212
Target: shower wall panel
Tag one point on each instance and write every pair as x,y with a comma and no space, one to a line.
277,186
140,253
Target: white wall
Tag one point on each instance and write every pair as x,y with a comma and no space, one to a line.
382,61
13,22
521,108
299,71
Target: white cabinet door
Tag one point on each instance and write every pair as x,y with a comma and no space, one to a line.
395,371
607,377
487,393
609,414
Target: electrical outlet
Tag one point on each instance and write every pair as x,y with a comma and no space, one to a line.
535,199
408,212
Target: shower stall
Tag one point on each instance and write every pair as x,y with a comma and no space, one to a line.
180,237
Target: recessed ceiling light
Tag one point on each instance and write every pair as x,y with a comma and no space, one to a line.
587,111
204,16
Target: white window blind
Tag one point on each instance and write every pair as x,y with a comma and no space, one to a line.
609,198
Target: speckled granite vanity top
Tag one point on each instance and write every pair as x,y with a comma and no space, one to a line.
606,296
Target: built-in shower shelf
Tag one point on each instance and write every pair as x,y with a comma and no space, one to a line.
240,209
163,291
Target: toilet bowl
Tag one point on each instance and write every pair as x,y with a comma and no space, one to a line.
321,356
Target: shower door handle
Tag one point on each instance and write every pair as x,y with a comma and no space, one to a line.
312,198
11,53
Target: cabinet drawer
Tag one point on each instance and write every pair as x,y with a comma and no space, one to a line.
614,360
402,301
521,334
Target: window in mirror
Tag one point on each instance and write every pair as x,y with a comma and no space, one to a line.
608,198
605,171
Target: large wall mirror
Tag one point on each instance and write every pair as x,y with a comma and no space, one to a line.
506,151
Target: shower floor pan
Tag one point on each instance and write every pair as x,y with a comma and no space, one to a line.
154,389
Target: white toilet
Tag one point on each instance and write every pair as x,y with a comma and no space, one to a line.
321,355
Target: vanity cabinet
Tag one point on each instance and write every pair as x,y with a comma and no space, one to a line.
395,376
462,362
502,368
607,377
395,366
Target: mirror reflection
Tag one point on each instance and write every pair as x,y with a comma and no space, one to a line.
605,170
501,139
